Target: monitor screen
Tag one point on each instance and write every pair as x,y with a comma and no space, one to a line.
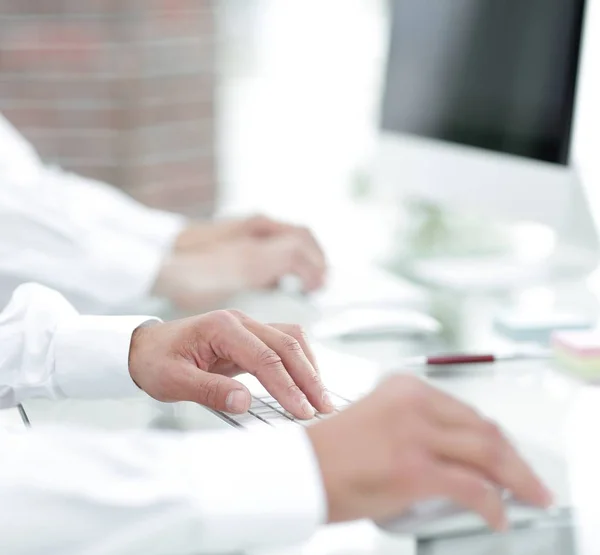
494,74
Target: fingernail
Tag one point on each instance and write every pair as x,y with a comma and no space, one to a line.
237,401
548,498
327,401
307,408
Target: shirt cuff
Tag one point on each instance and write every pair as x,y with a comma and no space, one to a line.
266,489
161,228
121,270
91,356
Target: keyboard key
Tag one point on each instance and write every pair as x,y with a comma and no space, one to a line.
266,399
324,416
274,415
264,409
256,403
338,401
246,420
307,423
282,423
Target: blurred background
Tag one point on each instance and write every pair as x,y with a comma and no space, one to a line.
123,92
452,145
205,106
192,105
299,96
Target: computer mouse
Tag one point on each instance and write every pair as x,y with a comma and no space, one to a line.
441,518
365,323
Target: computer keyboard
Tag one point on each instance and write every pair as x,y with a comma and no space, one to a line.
267,411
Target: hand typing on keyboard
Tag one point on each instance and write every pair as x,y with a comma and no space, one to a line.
265,411
407,443
404,444
196,358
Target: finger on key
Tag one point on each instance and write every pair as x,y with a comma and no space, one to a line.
249,352
296,363
298,333
210,390
490,453
314,388
470,490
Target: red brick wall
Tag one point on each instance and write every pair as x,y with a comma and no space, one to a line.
118,90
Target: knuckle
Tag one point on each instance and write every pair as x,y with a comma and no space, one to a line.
314,380
237,314
269,359
291,344
221,318
211,392
297,331
293,389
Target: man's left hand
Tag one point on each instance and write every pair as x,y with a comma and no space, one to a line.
195,359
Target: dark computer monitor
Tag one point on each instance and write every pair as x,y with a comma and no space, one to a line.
494,74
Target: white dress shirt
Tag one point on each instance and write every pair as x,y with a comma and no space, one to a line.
75,492
86,239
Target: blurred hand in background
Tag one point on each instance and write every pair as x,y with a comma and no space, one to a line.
105,251
211,261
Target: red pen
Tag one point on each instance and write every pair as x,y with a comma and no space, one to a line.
464,358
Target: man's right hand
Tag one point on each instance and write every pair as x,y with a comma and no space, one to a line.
409,442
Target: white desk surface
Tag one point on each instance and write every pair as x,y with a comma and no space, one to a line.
11,419
531,400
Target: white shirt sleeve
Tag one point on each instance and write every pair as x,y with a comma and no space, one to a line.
48,350
158,493
82,237
79,492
